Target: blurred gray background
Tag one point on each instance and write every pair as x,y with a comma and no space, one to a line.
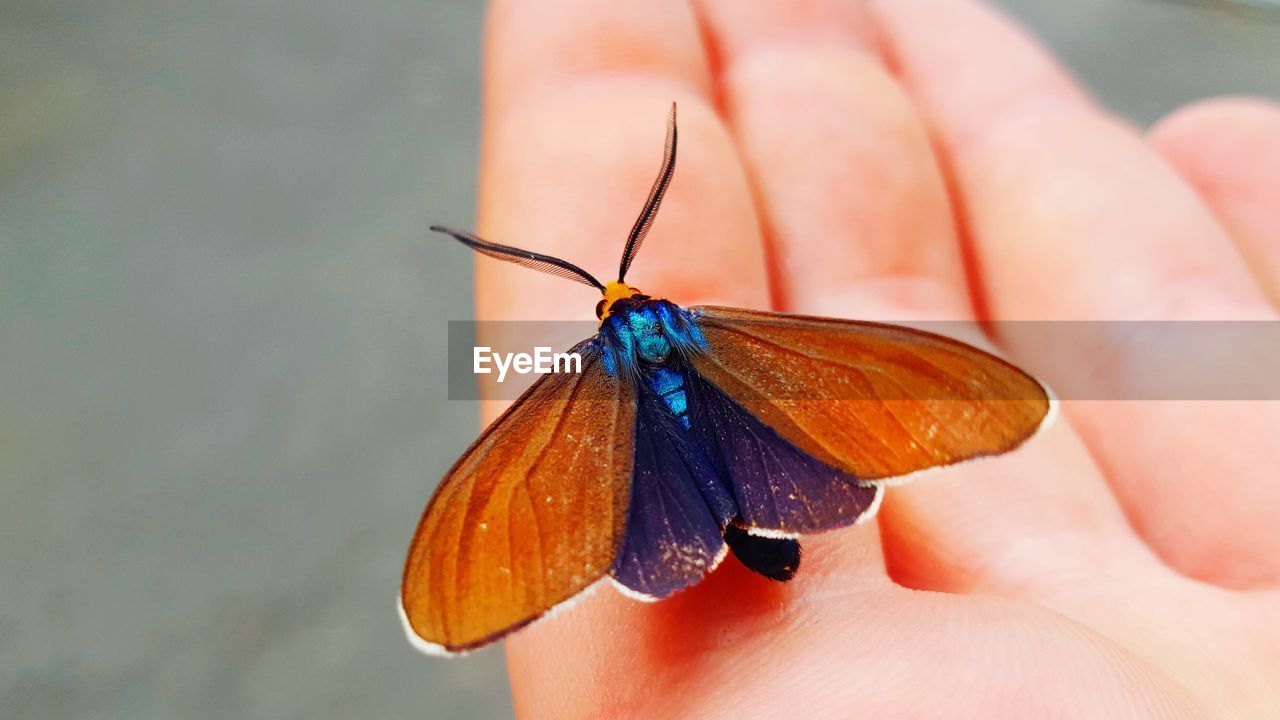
222,385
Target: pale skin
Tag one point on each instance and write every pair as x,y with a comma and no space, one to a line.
896,160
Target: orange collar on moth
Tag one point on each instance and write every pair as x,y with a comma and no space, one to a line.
613,292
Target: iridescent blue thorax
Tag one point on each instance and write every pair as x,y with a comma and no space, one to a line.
642,340
644,333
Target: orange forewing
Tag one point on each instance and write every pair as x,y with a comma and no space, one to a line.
528,517
877,401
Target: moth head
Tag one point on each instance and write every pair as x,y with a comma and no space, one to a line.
613,292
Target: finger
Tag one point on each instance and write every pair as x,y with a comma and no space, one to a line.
859,224
576,97
854,208
1228,149
1072,216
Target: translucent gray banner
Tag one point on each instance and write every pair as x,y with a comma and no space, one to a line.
1079,360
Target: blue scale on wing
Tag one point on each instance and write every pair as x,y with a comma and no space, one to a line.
776,485
679,505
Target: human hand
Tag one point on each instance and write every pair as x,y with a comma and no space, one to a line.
1122,564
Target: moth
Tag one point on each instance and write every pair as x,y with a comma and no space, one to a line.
690,433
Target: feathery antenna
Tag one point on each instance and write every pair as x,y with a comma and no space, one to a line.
641,228
537,261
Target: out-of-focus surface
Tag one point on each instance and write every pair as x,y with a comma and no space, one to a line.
222,334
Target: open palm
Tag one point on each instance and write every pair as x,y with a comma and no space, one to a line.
901,160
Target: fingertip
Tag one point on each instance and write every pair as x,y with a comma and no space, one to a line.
1220,142
1228,150
1241,111
971,68
534,46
